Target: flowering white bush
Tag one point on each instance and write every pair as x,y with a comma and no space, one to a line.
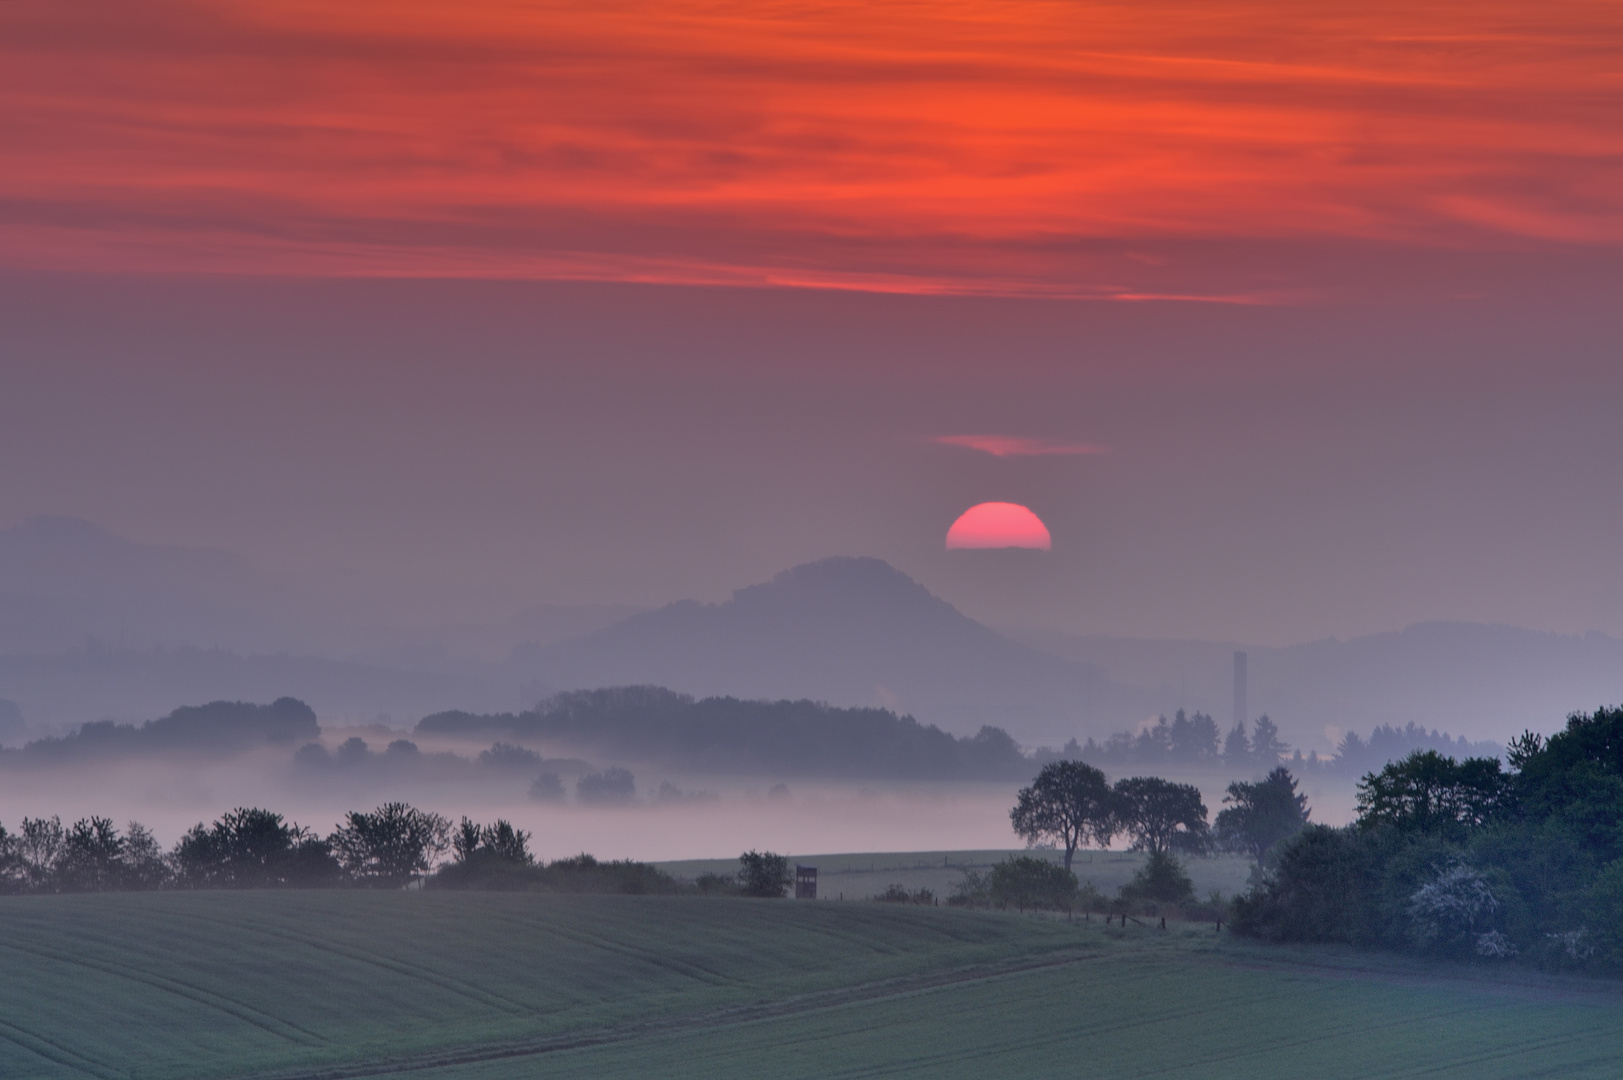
1572,943
1452,907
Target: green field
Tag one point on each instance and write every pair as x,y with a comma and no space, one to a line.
857,876
458,986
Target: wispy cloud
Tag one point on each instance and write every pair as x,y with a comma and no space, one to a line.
1015,446
1016,148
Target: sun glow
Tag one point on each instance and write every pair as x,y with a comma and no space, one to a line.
998,525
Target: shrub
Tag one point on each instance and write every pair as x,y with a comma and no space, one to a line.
1454,911
973,889
1032,883
717,884
761,873
1161,879
898,894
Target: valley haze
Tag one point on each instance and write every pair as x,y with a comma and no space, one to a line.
94,626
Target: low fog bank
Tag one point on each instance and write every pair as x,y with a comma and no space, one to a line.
95,626
717,819
200,762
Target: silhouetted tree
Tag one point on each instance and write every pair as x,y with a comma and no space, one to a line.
499,842
1266,747
1237,747
1192,738
1160,815
91,858
250,848
144,864
761,873
1071,803
1262,814
390,846
1427,792
39,846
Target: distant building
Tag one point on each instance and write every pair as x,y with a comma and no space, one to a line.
805,882
1241,706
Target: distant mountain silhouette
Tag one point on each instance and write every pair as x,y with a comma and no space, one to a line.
849,631
219,728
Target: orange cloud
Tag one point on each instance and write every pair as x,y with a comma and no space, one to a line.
1027,147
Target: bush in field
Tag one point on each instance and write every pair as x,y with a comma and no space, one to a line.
1025,882
712,884
761,873
584,874
495,856
1455,911
898,894
390,846
1161,880
973,889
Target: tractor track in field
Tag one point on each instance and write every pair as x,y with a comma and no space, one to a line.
715,1018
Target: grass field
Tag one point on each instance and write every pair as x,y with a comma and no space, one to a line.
858,876
470,986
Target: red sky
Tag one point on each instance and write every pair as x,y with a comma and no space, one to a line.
1225,151
519,383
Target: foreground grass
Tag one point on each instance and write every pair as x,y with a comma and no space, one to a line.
494,986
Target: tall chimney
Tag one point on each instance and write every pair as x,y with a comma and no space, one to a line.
1240,705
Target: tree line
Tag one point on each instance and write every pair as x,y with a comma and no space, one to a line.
1473,858
726,734
1195,739
392,847
1072,804
248,848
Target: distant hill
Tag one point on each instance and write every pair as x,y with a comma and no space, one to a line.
727,735
850,631
218,728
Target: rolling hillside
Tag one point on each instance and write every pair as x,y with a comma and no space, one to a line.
177,986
